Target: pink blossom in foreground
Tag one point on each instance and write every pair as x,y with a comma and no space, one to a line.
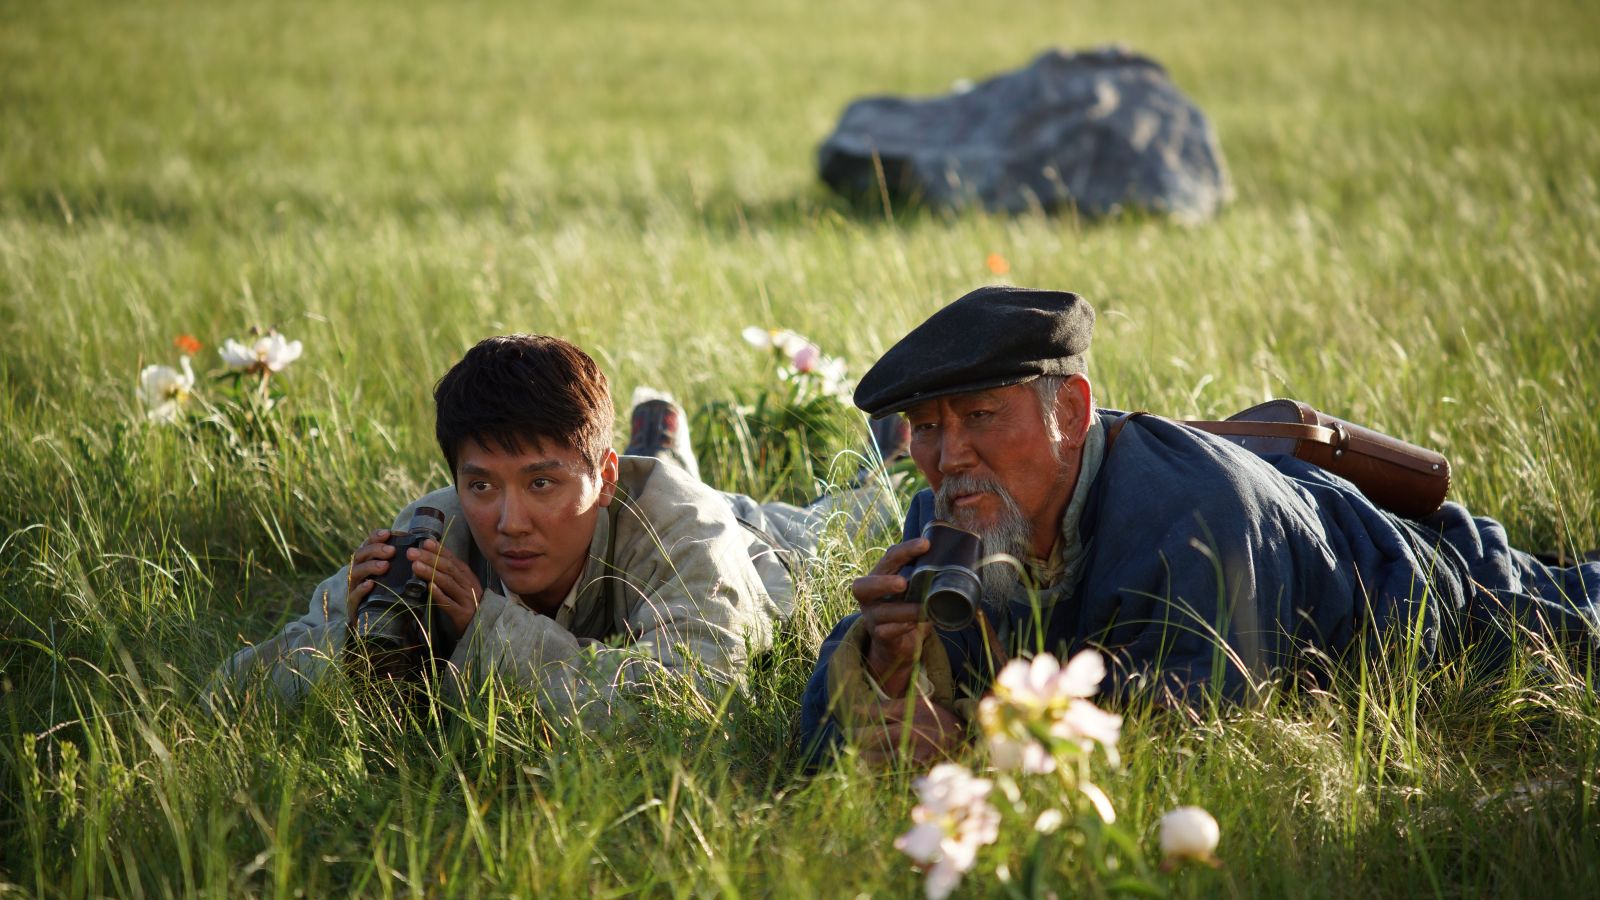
952,820
1039,694
1041,682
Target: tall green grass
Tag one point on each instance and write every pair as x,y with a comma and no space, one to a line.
1412,245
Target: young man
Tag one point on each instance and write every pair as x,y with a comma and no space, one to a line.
563,567
1193,563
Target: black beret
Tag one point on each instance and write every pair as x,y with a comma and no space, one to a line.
990,338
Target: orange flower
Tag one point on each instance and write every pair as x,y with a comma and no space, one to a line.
997,264
187,343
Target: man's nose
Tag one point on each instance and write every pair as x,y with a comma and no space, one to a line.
515,516
955,449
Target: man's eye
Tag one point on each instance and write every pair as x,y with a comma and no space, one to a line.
540,484
478,487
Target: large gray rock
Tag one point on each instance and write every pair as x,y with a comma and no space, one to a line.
1100,130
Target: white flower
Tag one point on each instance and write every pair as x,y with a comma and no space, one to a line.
1086,725
943,876
1048,821
831,370
1038,693
1012,746
950,787
922,842
780,339
164,390
270,353
1189,832
952,820
1041,683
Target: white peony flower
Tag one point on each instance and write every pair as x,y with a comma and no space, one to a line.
270,353
780,339
1041,683
1012,747
952,820
1085,724
1189,832
165,389
831,370
1032,693
922,842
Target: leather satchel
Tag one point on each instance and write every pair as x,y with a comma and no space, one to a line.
1400,477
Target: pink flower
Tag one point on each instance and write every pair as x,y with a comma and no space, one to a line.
1040,683
952,820
806,359
1037,697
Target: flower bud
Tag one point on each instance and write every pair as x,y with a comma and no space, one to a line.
1189,832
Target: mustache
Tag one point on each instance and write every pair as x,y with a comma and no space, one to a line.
954,486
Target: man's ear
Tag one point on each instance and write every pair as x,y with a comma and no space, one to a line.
1075,409
608,478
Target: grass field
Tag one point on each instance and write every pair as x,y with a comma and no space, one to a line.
1413,245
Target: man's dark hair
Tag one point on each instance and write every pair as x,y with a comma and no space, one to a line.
517,390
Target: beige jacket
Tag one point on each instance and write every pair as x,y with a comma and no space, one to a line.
674,587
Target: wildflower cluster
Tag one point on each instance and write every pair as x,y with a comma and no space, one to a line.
248,367
803,362
1038,720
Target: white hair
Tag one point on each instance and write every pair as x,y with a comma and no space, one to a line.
1047,388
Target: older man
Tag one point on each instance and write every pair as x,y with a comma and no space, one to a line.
1194,564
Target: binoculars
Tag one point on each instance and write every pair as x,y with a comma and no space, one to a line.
945,579
398,627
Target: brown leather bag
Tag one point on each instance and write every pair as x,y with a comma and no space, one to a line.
1401,477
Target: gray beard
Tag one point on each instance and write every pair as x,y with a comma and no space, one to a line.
1010,535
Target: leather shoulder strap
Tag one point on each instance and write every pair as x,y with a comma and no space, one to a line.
1316,434
1116,426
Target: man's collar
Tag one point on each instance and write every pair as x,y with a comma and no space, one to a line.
1066,557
